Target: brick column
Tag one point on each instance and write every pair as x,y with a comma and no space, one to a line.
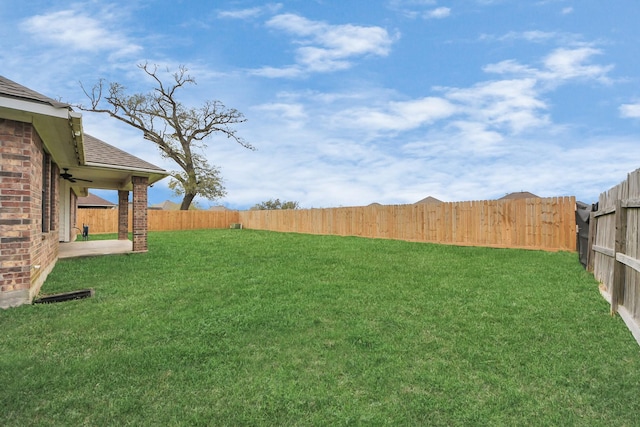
123,215
140,213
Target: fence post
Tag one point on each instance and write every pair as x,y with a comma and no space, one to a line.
593,230
617,287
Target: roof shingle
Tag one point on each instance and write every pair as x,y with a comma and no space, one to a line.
11,89
97,151
93,200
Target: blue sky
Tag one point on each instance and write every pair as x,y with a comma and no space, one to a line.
353,102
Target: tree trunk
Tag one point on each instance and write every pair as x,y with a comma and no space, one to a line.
186,201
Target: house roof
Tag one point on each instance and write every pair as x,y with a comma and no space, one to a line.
59,127
92,163
93,200
108,167
429,199
99,153
9,88
519,195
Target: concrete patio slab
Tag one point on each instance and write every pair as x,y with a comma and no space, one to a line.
94,248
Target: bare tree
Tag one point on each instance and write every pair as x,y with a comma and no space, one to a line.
177,130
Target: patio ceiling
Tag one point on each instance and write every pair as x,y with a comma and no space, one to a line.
108,178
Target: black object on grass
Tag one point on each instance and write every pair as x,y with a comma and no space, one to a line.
65,296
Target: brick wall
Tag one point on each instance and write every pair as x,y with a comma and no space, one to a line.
27,254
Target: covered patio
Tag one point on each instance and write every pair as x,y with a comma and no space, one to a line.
94,248
109,168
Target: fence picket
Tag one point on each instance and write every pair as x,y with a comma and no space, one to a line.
614,255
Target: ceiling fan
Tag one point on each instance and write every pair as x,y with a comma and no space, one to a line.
66,175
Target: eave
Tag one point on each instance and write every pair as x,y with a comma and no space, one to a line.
59,128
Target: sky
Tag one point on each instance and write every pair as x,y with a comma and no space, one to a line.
353,102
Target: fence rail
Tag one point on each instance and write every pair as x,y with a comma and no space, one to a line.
614,255
534,223
546,224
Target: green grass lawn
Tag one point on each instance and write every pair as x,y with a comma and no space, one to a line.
240,327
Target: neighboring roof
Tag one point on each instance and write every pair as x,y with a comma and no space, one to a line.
429,200
99,153
167,205
93,200
218,208
520,195
9,88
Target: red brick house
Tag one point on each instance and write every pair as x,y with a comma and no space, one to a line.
46,163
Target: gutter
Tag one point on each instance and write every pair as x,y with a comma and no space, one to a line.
34,107
128,168
77,134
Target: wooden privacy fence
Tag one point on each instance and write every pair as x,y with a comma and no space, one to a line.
535,223
547,224
614,243
106,220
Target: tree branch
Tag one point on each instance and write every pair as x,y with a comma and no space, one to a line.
175,129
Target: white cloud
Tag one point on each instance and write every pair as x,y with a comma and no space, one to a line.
241,13
488,109
293,113
78,31
250,13
567,63
511,67
630,111
511,105
537,35
438,13
478,140
567,10
274,72
560,65
396,4
419,8
324,47
534,36
397,116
